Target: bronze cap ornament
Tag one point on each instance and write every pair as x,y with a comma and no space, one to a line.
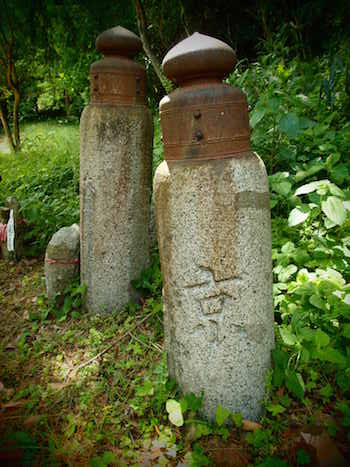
204,118
198,56
117,79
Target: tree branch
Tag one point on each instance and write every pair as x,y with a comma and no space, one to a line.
141,23
6,126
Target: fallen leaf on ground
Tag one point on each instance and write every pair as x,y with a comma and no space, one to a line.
229,457
30,421
248,425
14,404
328,455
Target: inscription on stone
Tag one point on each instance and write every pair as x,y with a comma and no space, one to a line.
214,300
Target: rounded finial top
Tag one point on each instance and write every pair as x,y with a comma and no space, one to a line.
118,41
198,56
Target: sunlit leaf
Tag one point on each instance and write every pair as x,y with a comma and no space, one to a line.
297,216
175,413
287,336
334,209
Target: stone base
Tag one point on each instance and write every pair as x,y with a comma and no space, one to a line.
214,237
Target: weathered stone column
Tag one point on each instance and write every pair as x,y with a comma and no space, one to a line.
115,174
212,206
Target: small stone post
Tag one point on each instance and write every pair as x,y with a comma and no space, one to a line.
13,204
213,217
62,261
115,174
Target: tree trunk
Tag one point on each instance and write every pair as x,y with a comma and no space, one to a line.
16,135
5,124
67,103
141,23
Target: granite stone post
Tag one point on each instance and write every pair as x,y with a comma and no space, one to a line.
62,261
115,174
213,218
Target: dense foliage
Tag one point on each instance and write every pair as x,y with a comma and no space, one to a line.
45,178
49,45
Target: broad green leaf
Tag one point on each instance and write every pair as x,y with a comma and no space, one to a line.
336,191
147,389
287,336
273,103
288,247
273,200
237,419
275,409
331,355
297,216
346,330
317,301
287,272
332,275
332,159
191,402
280,358
339,173
328,223
310,187
278,377
321,338
290,125
202,429
222,415
175,413
306,122
334,209
283,188
295,384
109,457
257,115
326,391
312,170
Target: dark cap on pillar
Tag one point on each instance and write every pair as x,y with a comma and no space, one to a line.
198,56
117,79
204,119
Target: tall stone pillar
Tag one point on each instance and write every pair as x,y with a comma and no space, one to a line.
115,174
212,207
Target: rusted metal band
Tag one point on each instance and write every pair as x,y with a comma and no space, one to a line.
117,88
204,107
210,150
205,131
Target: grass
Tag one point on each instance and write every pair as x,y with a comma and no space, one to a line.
72,413
44,177
92,390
